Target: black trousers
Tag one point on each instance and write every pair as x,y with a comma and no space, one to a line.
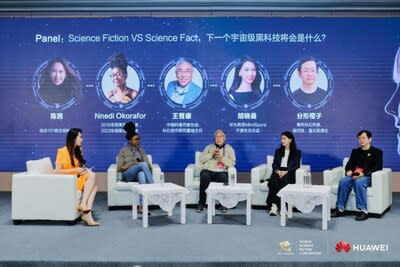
275,184
206,177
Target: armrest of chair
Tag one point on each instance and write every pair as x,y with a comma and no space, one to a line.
156,171
381,184
24,184
260,172
333,176
301,172
189,174
111,177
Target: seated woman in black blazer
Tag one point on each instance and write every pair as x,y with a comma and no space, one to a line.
286,162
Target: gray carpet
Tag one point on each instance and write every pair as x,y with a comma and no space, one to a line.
120,241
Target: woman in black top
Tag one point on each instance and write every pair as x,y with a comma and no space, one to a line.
286,161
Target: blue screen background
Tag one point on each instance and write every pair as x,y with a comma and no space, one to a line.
358,53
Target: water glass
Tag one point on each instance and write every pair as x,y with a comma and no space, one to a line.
232,179
162,179
307,180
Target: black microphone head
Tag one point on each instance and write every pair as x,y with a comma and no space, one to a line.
83,163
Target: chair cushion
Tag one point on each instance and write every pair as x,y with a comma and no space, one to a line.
39,166
124,186
263,187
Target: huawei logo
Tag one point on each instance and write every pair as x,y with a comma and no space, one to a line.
343,246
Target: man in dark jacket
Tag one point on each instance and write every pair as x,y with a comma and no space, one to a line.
362,163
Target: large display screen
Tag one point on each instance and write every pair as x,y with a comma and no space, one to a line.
180,79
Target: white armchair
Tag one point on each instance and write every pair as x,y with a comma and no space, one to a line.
40,194
379,195
261,173
119,193
192,179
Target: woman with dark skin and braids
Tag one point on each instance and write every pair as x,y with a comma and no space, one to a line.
133,161
121,93
69,160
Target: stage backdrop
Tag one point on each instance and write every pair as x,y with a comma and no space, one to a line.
348,60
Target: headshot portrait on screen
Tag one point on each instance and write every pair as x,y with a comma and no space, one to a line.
183,90
59,83
121,93
392,106
245,88
308,93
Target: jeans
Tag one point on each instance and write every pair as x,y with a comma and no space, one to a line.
138,173
360,186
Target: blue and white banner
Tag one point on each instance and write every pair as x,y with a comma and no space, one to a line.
180,79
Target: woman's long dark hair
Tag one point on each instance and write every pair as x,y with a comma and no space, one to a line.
292,146
72,149
71,83
237,80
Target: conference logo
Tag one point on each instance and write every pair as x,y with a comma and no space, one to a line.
343,246
285,246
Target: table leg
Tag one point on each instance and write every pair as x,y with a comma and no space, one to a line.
283,212
290,211
248,210
170,213
213,206
324,215
209,209
183,209
134,205
329,208
145,213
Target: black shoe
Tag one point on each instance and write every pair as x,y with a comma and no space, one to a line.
223,209
362,216
337,213
199,208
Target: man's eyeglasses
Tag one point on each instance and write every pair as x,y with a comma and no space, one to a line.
136,138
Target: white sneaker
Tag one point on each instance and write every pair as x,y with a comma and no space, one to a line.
274,210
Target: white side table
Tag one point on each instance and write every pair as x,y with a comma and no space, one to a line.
166,196
228,196
305,198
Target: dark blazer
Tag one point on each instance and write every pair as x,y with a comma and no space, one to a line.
293,163
370,160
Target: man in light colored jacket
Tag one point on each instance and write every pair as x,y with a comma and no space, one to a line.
216,159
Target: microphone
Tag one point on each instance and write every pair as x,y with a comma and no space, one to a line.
83,164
